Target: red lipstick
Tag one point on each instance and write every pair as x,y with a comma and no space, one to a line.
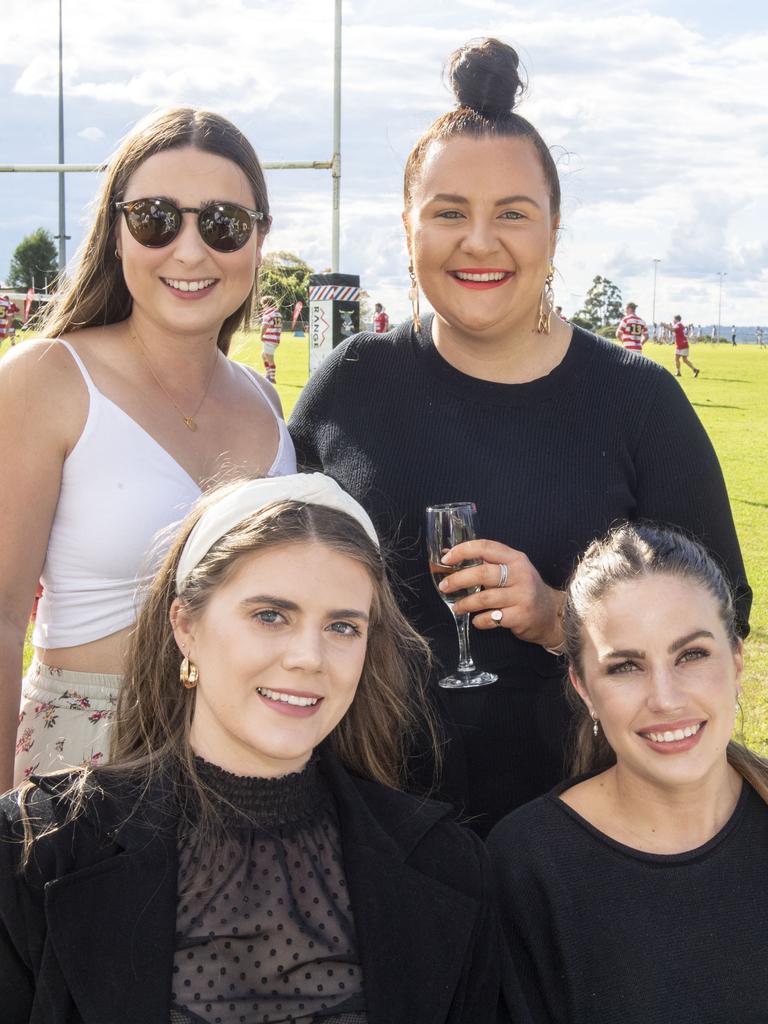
479,271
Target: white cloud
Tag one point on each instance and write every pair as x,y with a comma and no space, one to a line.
92,134
658,120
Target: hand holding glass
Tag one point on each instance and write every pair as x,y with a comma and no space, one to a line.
447,526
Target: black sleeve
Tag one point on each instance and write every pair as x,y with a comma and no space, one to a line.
478,997
680,483
17,986
312,423
532,980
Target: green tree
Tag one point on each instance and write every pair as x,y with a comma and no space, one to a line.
285,276
603,304
34,263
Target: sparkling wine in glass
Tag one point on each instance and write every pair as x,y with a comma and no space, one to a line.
447,526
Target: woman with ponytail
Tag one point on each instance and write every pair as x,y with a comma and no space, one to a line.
552,432
635,892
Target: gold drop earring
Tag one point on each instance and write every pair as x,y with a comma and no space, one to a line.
546,303
413,295
188,674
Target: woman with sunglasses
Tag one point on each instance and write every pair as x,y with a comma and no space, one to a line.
635,891
114,423
246,855
552,432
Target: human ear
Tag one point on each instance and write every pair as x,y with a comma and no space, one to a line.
408,241
554,236
738,660
182,625
581,689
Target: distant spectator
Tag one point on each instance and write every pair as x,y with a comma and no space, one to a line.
271,326
632,331
681,345
380,319
733,334
8,309
759,336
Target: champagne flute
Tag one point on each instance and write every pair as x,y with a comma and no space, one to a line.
447,526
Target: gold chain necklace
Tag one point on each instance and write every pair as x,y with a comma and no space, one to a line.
189,421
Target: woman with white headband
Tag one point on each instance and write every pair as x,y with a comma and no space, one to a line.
245,856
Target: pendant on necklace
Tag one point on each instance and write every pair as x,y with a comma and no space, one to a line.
189,423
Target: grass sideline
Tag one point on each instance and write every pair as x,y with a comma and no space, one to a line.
731,398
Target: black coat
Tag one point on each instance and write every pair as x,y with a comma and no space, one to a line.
87,929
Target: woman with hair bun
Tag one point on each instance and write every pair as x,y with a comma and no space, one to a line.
552,432
635,891
114,422
246,855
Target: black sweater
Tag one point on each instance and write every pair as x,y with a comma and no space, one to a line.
603,934
551,464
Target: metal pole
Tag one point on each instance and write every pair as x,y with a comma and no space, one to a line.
721,274
336,162
62,216
655,268
282,165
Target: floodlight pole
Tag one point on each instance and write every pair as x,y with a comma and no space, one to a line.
655,268
62,235
721,274
336,160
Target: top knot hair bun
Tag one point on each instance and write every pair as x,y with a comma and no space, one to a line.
484,77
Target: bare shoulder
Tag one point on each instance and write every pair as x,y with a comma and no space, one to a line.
42,390
35,367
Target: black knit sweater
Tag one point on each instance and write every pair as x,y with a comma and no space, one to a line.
551,464
600,933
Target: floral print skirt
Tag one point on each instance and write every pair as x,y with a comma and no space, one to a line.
64,719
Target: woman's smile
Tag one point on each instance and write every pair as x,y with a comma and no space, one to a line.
673,737
290,702
479,279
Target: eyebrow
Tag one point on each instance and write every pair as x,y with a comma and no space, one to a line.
670,650
450,197
291,606
687,639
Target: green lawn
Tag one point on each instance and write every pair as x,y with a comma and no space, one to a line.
731,397
292,359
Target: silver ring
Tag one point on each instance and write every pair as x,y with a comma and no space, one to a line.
503,574
497,615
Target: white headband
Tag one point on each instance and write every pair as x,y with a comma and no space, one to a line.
249,497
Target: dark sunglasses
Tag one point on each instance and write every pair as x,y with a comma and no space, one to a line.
225,227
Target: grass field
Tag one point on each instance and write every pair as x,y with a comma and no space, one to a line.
731,398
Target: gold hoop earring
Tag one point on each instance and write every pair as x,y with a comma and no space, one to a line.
413,295
117,254
188,674
546,303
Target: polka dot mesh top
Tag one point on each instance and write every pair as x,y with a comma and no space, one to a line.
264,927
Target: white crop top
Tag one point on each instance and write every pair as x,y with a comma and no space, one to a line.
120,489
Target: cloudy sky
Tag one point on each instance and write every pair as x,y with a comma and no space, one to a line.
656,113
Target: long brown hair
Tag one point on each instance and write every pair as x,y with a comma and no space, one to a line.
150,734
630,552
485,79
96,294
